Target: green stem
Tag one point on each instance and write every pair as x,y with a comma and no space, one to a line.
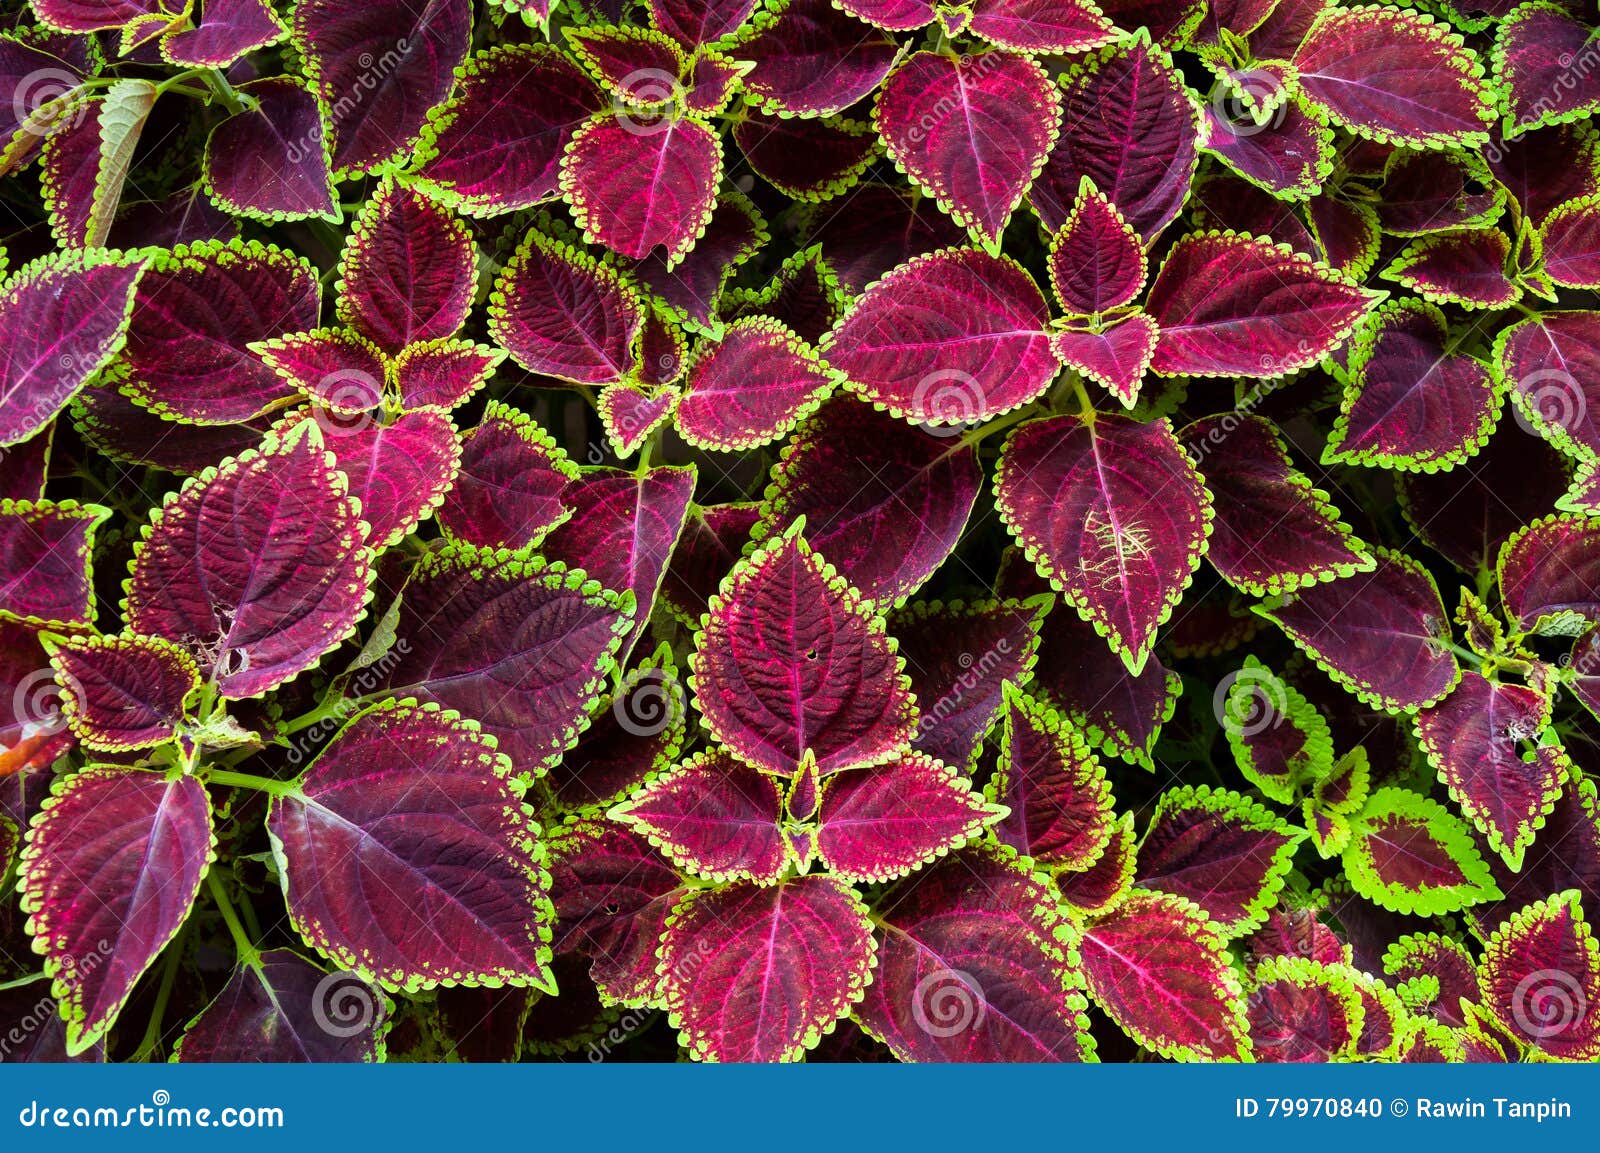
169,978
328,708
250,781
248,953
224,92
19,982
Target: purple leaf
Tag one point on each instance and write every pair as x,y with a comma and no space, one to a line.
635,185
1226,853
123,692
1466,268
1274,532
1394,76
1056,789
1231,305
954,337
971,967
622,532
1540,977
45,555
1410,404
790,661
409,271
279,1007
92,15
561,313
147,840
639,65
759,973
810,159
960,657
66,311
714,816
1409,854
1549,574
495,145
695,22
813,60
407,820
1097,260
1436,191
885,501
25,468
197,311
225,31
1535,53
270,161
691,289
751,387
1103,885
1544,167
634,734
443,373
1302,1011
340,370
1281,743
1551,362
516,644
1132,128
1116,356
121,430
880,823
1113,514
1570,240
884,229
258,567
1042,25
630,414
712,540
972,131
895,15
1290,156
1384,635
379,69
1159,970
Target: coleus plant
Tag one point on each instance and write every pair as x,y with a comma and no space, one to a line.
799,529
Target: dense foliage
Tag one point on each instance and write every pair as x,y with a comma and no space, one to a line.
990,530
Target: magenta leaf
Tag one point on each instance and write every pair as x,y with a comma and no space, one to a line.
751,387
1394,76
691,289
92,15
279,1007
561,313
791,661
123,692
1484,741
813,60
1550,575
635,185
960,657
1410,404
443,373
713,816
1143,146
880,823
635,732
884,228
378,70
1466,268
1231,305
340,370
1103,885
516,644
64,311
1409,854
1384,635
886,502
695,22
196,313
509,492
1279,740
1113,514
1097,260
1158,968
122,431
623,530
1550,362
409,271
1433,972
972,131
1534,52
974,965
1436,191
810,159
1274,531
495,145
225,31
1570,241
1116,356
410,812
712,540
1540,977
613,894
951,338
1303,1011
270,161
147,840
1290,156
760,973
25,468
1056,789
1221,850
1042,25
630,414
46,550
640,65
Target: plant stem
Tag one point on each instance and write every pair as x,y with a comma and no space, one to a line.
19,982
248,953
169,977
276,788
